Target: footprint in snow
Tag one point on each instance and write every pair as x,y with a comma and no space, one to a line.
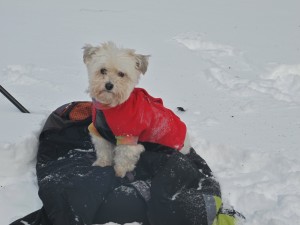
197,43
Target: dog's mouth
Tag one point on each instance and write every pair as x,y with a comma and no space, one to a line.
109,98
104,92
105,97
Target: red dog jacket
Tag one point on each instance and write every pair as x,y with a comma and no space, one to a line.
142,118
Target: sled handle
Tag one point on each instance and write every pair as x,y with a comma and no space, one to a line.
13,100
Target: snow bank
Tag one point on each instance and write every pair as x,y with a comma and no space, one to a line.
260,178
18,147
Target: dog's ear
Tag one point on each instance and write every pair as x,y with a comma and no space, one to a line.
142,62
88,52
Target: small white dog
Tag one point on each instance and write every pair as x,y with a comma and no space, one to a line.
125,117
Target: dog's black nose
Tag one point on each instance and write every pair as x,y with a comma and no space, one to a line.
109,86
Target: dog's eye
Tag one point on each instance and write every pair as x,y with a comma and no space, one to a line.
103,71
121,74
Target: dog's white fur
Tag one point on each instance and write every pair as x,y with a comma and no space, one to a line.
122,68
114,60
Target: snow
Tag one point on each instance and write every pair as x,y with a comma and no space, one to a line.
233,65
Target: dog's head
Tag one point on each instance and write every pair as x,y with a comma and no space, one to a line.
113,72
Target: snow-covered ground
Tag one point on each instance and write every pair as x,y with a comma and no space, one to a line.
233,65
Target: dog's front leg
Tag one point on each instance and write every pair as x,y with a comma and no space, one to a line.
187,145
126,157
104,151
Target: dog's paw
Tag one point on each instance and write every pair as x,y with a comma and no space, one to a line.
102,163
120,171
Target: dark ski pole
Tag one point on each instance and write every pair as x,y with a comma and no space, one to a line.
13,100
